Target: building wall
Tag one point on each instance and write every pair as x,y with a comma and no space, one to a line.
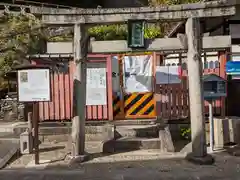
209,59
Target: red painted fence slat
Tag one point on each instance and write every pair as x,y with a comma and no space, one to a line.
61,105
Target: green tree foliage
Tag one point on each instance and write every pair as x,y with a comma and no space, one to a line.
119,32
19,36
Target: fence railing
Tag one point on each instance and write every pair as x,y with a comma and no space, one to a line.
173,99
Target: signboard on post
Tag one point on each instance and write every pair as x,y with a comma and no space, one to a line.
34,85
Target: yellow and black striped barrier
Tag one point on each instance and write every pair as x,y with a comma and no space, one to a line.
136,105
116,107
139,105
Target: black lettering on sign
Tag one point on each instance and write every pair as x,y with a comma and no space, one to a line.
115,74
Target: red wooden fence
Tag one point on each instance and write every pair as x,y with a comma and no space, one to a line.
61,106
173,101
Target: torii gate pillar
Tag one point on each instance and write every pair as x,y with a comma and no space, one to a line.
194,65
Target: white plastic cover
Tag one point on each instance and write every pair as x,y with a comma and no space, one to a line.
115,75
96,84
137,73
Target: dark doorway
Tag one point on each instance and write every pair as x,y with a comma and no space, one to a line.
233,98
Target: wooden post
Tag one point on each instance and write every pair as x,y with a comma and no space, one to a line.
194,65
79,93
30,122
36,127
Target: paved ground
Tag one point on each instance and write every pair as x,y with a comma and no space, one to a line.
140,165
7,149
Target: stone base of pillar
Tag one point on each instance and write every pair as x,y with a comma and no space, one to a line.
234,151
78,159
166,142
206,160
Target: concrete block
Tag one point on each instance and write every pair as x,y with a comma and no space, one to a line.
226,130
26,143
166,143
108,132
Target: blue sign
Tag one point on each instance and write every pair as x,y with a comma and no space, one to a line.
233,67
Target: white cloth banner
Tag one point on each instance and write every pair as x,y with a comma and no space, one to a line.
137,73
96,84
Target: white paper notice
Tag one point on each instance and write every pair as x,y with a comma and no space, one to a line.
167,75
34,85
137,73
96,84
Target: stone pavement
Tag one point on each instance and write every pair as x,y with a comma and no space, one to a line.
7,149
140,165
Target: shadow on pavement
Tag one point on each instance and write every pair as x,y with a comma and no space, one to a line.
127,166
47,149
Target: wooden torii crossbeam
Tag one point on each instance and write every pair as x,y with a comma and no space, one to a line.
120,15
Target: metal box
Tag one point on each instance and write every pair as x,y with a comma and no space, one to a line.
214,86
26,142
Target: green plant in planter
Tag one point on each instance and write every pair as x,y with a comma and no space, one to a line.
186,133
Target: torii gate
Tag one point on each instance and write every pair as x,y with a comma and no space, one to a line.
192,12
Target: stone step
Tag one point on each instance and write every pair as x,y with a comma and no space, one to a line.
8,136
131,144
67,137
93,132
55,129
141,131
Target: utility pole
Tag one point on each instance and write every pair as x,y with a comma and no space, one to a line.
79,93
195,70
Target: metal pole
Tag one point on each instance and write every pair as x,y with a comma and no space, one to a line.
36,126
30,130
211,128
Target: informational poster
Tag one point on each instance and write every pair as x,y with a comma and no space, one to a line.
167,75
137,73
34,85
96,84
